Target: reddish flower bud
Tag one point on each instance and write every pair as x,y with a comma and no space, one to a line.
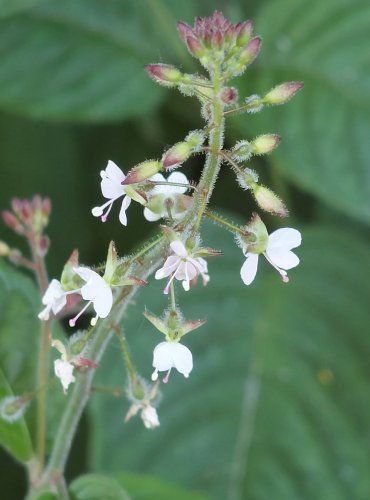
250,52
176,155
229,95
142,172
244,33
164,74
282,93
12,221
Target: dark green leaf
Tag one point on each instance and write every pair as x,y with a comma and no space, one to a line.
8,7
97,486
277,404
325,149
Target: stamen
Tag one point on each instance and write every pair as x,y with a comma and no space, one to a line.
166,378
94,320
155,375
167,287
72,321
103,218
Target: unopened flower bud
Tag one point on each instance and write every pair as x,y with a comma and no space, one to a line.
12,222
268,201
176,155
248,54
12,408
282,93
164,74
264,144
4,249
242,151
193,44
142,172
111,262
245,30
229,95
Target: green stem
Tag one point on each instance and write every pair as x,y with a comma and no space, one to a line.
126,354
82,388
229,225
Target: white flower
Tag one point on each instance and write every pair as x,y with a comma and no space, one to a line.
278,253
168,194
111,186
54,299
64,371
150,417
96,291
168,355
183,266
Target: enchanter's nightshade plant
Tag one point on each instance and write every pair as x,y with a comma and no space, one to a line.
224,50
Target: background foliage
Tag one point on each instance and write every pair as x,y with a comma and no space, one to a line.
278,400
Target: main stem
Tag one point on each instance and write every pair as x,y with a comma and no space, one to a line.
150,261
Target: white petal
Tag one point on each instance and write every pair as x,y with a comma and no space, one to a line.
85,273
104,301
122,213
285,237
64,371
179,178
162,357
285,259
150,417
114,172
249,268
182,358
172,262
151,216
179,248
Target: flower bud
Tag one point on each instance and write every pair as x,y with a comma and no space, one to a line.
245,30
176,155
142,172
282,93
193,44
242,151
248,54
229,95
13,222
4,249
268,201
111,262
12,408
164,74
265,144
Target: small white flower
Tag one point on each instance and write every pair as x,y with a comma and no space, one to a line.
150,417
54,299
168,355
168,194
64,371
183,266
278,253
111,187
96,291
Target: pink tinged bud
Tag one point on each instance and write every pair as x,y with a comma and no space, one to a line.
176,155
229,95
46,207
268,201
142,172
265,144
282,93
184,30
244,33
250,52
195,47
164,74
12,222
80,361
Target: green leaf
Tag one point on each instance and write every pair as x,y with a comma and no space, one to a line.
325,149
8,7
97,486
14,436
144,487
277,403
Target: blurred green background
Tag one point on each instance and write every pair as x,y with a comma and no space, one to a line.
278,404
